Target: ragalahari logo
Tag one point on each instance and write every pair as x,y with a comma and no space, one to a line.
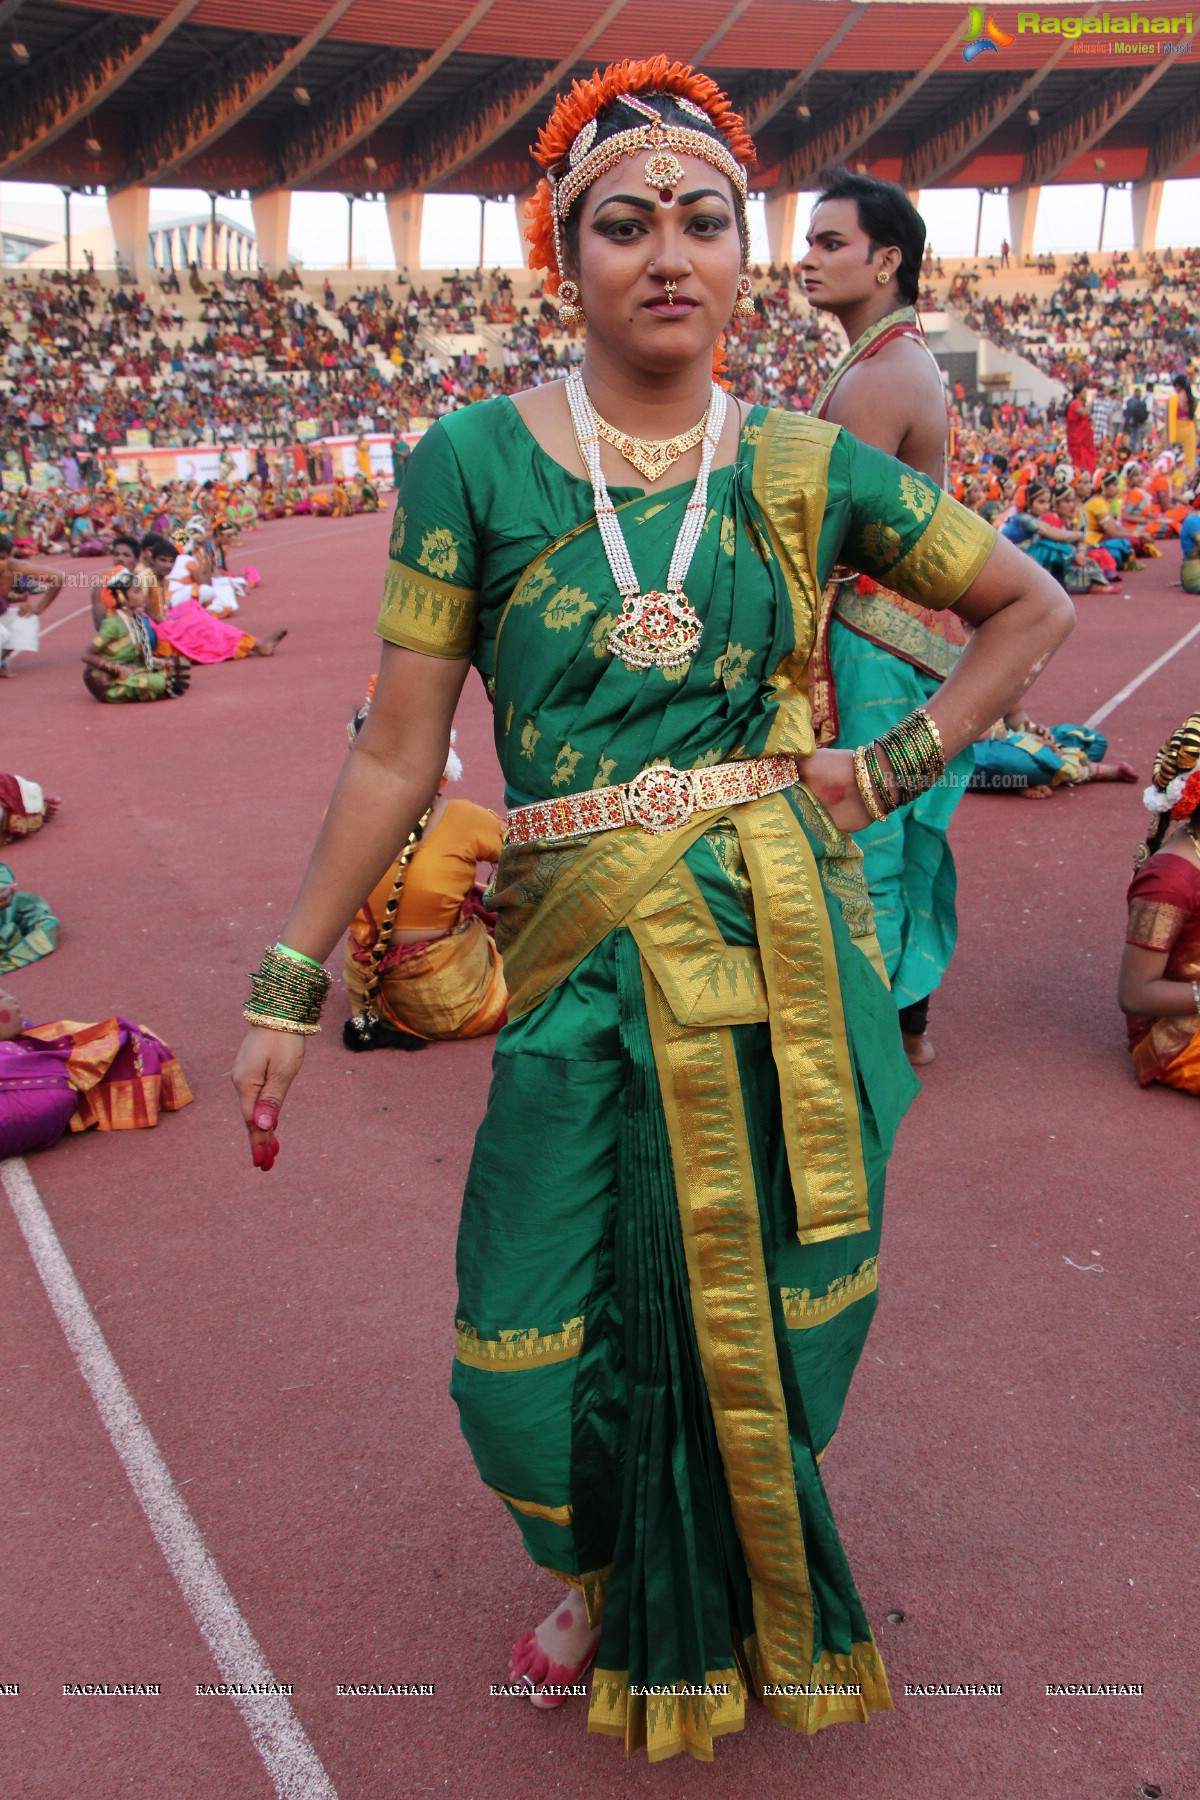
984,37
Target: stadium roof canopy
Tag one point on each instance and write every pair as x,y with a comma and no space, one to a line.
360,96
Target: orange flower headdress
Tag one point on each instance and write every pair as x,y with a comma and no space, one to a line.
565,148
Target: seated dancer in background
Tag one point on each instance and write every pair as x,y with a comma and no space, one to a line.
1159,987
1055,547
22,605
128,550
130,660
28,929
1189,543
1102,526
114,1075
420,964
24,808
194,631
1019,756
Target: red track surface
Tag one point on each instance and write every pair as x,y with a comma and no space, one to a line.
1009,1474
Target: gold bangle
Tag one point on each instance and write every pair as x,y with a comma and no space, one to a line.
273,1022
866,791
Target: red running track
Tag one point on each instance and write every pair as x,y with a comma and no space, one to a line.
1010,1474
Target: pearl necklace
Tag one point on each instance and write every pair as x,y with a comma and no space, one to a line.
655,630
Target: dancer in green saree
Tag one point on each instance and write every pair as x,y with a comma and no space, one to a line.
668,1253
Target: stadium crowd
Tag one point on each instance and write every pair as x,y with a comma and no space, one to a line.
263,368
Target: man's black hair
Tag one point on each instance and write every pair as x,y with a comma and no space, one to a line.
127,537
888,217
155,544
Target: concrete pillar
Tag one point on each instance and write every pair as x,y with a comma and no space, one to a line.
1022,217
129,218
781,226
1147,204
404,222
272,216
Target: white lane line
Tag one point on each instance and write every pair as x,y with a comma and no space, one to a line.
65,620
1131,687
278,1735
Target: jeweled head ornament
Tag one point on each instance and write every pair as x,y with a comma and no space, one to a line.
1174,791
574,153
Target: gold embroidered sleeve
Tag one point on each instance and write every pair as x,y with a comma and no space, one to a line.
430,597
1154,925
908,534
419,612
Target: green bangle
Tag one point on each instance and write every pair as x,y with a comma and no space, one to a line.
297,956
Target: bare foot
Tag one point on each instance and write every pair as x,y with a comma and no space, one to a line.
917,1048
52,804
268,645
1036,793
556,1652
1121,771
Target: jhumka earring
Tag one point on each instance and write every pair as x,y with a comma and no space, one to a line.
570,312
743,306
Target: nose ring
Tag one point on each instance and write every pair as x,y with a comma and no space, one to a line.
669,289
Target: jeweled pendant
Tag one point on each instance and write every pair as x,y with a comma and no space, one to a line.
655,631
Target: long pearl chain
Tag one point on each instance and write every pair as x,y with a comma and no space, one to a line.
613,538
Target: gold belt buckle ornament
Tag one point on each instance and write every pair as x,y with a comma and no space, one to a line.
661,798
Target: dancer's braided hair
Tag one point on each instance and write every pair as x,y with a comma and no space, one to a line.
1178,764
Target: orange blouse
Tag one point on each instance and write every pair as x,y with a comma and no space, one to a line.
440,875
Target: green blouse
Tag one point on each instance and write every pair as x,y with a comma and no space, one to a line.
495,555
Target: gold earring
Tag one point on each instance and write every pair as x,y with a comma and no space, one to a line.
743,306
570,312
883,278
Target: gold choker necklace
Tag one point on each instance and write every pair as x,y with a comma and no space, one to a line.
651,457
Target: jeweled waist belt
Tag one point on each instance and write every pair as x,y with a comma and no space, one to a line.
661,798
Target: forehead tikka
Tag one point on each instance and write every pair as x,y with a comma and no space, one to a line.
663,171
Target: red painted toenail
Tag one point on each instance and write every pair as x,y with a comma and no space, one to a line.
566,1617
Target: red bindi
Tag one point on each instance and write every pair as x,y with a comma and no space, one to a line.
666,196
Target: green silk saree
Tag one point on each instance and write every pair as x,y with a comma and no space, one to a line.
668,1249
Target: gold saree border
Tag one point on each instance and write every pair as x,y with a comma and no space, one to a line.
884,620
418,612
1155,924
519,1349
593,1586
813,1706
533,1509
946,558
706,980
802,1309
609,876
809,1040
673,1719
731,1308
790,485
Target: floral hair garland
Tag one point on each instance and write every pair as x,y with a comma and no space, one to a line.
1176,785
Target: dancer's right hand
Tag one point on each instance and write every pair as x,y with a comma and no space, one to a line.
266,1066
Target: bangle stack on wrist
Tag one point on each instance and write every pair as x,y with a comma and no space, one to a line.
912,752
287,992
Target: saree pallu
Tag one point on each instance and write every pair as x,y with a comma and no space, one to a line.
668,1251
447,987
